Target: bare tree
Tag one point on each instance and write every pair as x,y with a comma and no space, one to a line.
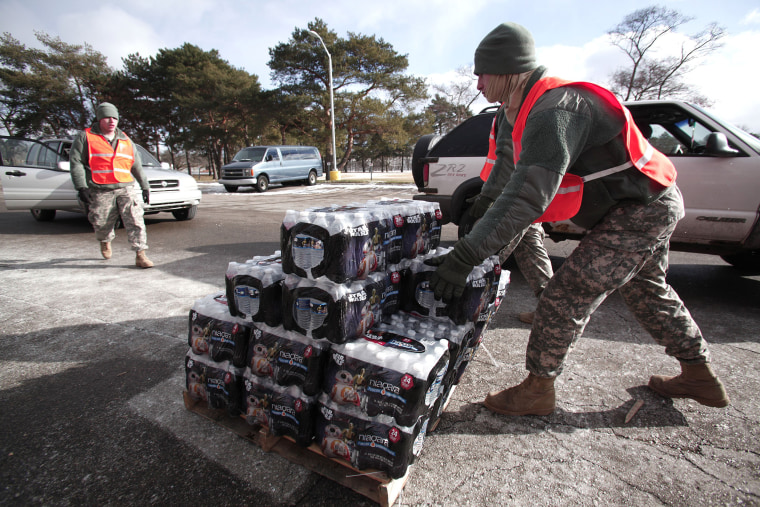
460,93
650,77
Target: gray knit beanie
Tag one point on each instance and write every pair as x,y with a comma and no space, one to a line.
106,110
508,49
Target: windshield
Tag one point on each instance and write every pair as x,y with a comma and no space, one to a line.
250,155
147,159
748,138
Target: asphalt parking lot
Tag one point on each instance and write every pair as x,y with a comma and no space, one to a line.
92,377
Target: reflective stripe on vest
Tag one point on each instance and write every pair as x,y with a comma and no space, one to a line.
109,165
641,153
491,158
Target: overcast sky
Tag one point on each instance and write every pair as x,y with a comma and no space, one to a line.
438,36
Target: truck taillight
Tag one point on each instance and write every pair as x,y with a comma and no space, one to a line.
425,174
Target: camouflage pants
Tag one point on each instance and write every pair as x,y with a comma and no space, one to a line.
531,257
106,208
628,252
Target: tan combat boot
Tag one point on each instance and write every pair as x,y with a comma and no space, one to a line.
105,249
526,317
142,261
696,381
534,396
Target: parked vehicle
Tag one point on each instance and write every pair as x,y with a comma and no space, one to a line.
258,166
718,173
35,176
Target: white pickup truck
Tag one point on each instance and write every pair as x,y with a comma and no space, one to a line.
718,173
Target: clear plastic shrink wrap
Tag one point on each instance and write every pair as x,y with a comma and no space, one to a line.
285,411
218,384
254,289
214,332
337,312
288,358
388,371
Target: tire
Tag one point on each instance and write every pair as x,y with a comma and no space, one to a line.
748,261
185,214
230,188
43,215
262,183
312,179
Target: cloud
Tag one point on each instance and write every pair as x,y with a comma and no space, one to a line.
729,77
594,61
98,27
753,18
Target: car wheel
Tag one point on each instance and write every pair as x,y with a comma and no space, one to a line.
230,188
749,261
43,215
262,183
185,214
312,179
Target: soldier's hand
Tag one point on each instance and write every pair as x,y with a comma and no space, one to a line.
449,280
85,196
146,196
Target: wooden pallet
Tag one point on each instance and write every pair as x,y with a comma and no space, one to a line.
375,485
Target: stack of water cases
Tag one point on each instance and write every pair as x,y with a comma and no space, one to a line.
345,346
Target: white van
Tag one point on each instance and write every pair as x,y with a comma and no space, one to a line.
258,166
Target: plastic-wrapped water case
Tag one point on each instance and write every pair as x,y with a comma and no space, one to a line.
216,333
458,338
337,312
392,237
420,225
387,371
390,301
288,358
377,443
491,309
285,411
417,296
219,384
254,289
343,243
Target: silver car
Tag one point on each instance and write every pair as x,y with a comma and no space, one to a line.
35,176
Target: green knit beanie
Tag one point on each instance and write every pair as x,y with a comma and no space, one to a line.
106,110
508,49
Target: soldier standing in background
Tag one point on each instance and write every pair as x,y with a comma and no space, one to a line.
104,166
578,155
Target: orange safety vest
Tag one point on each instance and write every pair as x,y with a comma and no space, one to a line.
491,158
107,165
567,200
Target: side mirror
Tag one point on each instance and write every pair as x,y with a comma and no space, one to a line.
165,165
717,146
64,165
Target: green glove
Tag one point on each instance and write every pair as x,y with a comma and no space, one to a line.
449,280
85,195
478,205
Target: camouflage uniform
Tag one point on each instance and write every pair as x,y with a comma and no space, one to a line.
110,204
628,252
531,257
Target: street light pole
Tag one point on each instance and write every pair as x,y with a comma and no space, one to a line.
334,167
